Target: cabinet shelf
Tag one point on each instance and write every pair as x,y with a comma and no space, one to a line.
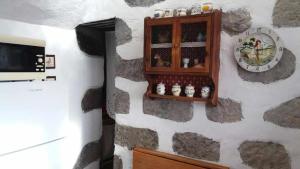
192,44
183,45
161,45
179,98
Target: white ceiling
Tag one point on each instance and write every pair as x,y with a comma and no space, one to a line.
60,13
70,13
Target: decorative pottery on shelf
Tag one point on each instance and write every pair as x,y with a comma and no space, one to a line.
176,89
181,12
201,37
159,13
168,13
189,90
160,62
258,49
207,7
196,9
197,64
186,62
205,92
161,89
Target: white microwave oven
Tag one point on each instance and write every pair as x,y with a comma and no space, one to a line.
21,58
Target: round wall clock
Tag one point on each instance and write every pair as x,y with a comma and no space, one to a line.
258,49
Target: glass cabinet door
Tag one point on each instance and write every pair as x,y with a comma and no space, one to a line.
160,47
194,43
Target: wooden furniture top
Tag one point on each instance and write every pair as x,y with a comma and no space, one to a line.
149,159
187,16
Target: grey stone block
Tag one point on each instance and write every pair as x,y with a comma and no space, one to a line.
112,92
236,21
89,153
286,13
118,164
122,32
286,115
196,146
131,69
119,103
168,109
93,99
132,137
264,155
227,111
142,3
283,70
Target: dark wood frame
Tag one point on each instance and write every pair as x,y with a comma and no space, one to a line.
50,67
211,65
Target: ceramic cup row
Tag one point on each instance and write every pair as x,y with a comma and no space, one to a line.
194,10
189,90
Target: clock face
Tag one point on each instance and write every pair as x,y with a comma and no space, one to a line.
258,49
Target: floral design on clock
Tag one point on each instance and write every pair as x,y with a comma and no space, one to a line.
258,49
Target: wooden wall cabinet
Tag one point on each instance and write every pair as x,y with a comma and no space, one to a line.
183,50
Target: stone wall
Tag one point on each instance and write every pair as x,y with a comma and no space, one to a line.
256,123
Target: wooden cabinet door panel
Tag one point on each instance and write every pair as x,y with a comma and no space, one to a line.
146,161
192,45
159,54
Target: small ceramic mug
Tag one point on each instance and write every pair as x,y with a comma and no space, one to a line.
207,7
181,12
205,92
161,89
196,9
159,13
189,90
168,13
176,89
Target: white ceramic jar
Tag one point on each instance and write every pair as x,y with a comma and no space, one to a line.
196,9
181,12
189,90
176,89
159,13
168,13
205,92
161,89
